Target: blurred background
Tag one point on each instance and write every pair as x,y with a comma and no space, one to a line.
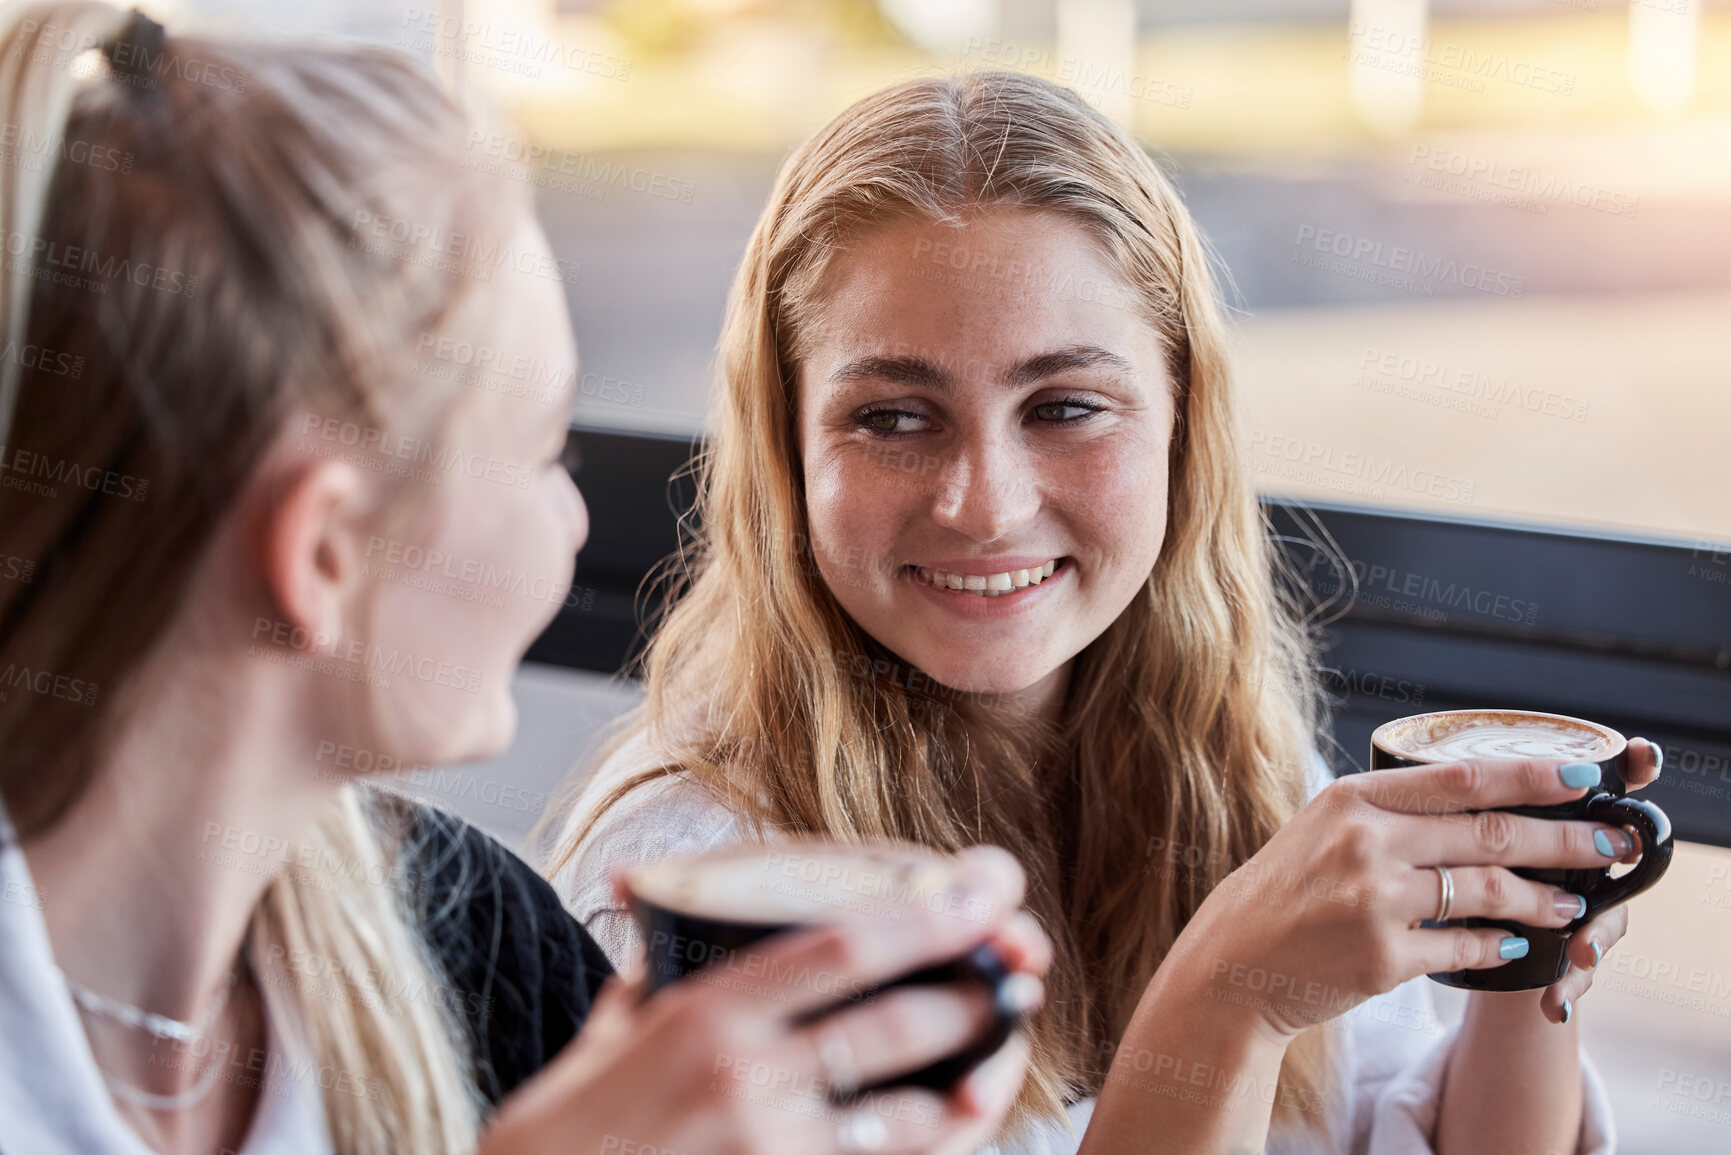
1487,241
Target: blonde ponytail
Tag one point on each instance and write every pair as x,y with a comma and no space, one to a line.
37,84
383,1026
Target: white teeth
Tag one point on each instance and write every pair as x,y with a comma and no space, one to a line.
987,585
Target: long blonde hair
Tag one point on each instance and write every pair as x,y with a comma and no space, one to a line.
1189,721
216,195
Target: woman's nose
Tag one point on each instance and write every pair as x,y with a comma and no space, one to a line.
986,491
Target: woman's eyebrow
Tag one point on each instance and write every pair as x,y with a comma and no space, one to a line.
899,370
920,372
1062,361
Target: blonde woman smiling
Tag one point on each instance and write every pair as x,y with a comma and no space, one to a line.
979,561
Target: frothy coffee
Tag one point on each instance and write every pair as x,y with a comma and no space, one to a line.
799,883
1455,734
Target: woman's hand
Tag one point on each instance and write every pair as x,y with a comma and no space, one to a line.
1589,944
1506,1059
716,1063
1327,913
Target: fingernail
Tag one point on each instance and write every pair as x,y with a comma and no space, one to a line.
1594,943
1568,1012
1514,947
1569,906
1658,754
1612,844
1579,774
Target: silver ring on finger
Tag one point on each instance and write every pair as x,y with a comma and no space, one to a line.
1445,893
836,1062
861,1130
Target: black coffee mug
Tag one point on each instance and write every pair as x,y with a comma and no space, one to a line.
1545,961
686,932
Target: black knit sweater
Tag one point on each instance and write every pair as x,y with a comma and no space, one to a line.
523,970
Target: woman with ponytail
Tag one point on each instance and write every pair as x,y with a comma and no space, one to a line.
231,448
977,558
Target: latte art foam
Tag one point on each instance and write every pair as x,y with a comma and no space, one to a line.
801,885
1456,734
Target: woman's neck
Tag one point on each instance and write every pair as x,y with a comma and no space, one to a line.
150,881
1043,701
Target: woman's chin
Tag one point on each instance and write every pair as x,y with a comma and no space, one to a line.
472,731
979,681
493,735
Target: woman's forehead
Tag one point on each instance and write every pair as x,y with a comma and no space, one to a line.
995,294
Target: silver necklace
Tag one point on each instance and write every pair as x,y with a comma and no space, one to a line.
186,1100
160,1026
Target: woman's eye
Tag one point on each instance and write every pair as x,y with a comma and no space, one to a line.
886,421
1060,411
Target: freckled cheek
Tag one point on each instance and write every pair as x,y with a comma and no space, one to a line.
1118,509
1130,532
851,501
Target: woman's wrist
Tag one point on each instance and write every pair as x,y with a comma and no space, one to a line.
1514,1081
1206,973
1512,1019
1201,1019
1197,1066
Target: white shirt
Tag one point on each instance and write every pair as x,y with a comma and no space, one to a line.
52,1095
1393,1049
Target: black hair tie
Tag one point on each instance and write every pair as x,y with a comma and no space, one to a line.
136,52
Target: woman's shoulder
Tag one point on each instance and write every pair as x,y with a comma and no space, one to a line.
634,808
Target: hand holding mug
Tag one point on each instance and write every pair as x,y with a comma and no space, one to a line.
1333,909
744,1060
1561,959
1588,944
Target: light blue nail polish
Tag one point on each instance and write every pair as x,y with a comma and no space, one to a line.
1594,943
1568,1012
1582,899
1578,774
1514,947
1603,842
1658,754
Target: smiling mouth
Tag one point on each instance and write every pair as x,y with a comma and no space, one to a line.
990,585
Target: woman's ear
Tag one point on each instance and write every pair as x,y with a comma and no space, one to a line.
313,533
